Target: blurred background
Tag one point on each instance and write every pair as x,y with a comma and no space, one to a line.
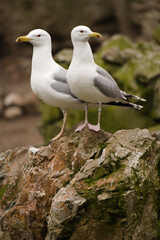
129,50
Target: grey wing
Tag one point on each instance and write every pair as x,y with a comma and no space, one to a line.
60,75
60,82
62,87
104,73
107,85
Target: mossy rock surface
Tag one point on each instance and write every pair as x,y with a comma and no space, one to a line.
156,34
86,185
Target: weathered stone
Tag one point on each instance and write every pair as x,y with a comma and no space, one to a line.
1,92
13,99
31,104
133,18
147,69
115,56
85,185
114,201
156,34
145,16
65,206
156,100
1,106
64,56
13,112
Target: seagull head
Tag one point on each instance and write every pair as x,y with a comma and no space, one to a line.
37,38
82,34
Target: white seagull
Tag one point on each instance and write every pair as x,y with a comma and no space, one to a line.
48,79
91,83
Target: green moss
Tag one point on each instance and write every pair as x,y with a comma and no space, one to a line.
5,236
146,69
156,34
158,228
106,211
74,116
49,130
141,188
89,194
11,193
119,41
100,172
101,147
116,118
50,114
157,202
125,76
3,189
144,47
105,172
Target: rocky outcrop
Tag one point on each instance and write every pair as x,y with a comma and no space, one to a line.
85,185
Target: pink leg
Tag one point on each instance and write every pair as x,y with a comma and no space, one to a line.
97,127
80,128
65,113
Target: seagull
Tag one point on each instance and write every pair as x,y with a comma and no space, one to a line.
48,79
91,83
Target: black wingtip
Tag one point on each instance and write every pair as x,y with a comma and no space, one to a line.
130,96
125,104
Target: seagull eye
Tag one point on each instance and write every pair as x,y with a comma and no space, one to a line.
81,31
38,35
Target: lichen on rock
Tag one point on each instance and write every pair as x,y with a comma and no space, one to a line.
85,185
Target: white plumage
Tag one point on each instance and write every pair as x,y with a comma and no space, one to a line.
88,81
48,79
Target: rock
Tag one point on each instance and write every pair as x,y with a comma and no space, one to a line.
71,202
145,16
31,104
85,185
1,106
13,99
111,51
132,18
51,121
151,69
156,34
113,55
64,56
1,92
13,112
155,131
156,100
28,104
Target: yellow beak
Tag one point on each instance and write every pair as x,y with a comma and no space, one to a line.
23,39
95,34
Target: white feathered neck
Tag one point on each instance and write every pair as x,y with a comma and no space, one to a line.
82,53
42,59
